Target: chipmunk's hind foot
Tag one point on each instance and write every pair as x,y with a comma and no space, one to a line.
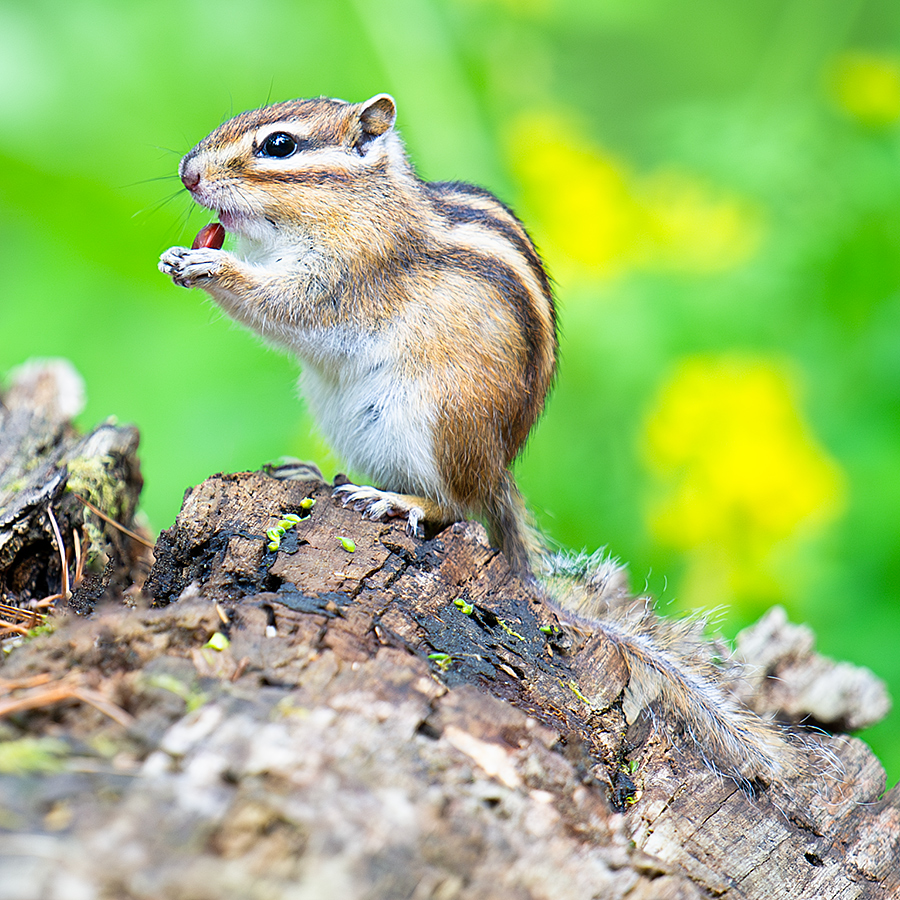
378,504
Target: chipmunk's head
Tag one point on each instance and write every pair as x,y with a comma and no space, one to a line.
293,163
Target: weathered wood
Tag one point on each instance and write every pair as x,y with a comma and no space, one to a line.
784,675
46,466
394,591
399,719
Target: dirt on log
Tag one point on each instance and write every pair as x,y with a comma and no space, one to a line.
343,710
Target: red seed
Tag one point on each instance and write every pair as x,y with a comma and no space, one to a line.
212,235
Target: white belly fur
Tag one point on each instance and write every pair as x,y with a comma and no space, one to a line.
373,419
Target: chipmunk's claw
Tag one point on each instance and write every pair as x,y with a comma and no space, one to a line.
381,505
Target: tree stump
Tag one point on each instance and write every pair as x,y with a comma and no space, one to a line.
344,710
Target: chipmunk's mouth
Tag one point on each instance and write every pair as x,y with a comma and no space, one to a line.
249,229
230,221
241,223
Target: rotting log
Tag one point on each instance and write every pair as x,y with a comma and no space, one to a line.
359,713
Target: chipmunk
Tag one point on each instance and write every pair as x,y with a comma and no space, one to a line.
425,324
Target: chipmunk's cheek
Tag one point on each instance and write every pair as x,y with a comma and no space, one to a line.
212,236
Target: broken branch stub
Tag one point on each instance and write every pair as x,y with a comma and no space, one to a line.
47,470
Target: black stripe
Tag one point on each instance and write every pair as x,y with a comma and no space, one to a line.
297,110
306,176
322,176
459,214
512,289
472,190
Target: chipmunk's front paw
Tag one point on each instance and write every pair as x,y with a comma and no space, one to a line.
382,504
191,267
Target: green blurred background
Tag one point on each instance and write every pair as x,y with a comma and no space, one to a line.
715,187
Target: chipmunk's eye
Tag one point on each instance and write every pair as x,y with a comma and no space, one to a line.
279,145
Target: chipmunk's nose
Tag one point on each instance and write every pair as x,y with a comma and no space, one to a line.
190,173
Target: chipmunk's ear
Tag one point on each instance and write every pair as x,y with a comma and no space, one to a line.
376,116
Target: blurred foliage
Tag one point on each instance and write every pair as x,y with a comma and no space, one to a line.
715,187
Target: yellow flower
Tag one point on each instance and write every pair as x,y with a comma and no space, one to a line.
867,86
740,474
692,226
578,195
592,212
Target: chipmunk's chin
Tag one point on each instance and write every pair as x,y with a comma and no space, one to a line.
255,228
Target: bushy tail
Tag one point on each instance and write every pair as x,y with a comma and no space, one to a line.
671,660
670,663
673,665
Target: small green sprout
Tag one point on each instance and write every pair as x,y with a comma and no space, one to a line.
633,765
443,660
38,630
308,503
465,608
218,641
193,698
547,629
347,544
281,528
33,755
509,630
573,687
